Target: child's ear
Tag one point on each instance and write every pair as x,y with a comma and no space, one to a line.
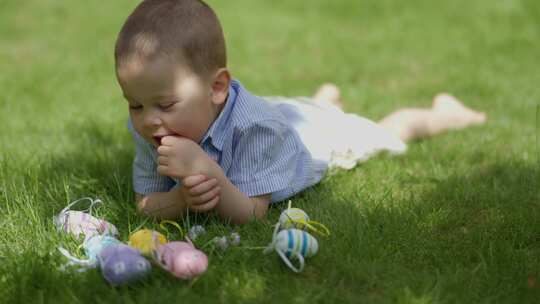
220,86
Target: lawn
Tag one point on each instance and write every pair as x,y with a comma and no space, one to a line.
455,220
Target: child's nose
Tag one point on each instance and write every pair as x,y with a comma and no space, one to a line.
152,119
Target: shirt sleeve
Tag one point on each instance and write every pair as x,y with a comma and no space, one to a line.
265,159
146,179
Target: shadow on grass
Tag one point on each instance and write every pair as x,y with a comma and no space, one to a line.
103,157
96,163
473,236
468,237
100,166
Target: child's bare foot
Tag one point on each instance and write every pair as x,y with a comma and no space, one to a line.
328,93
461,115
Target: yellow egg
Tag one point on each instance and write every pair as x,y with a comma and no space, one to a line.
146,240
293,218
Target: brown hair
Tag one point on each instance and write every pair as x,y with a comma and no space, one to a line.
188,31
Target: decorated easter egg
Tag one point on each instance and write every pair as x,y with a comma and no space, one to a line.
293,218
96,244
182,259
295,241
146,240
121,264
81,223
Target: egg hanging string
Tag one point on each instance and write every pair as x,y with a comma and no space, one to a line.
163,223
298,218
83,222
287,262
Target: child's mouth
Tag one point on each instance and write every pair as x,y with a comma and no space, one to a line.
157,139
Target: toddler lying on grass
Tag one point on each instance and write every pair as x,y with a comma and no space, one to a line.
205,143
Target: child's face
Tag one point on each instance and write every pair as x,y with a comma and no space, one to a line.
167,99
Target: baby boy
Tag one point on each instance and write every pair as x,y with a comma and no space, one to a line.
204,143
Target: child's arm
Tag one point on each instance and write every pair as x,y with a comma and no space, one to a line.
163,205
232,204
197,193
182,158
235,205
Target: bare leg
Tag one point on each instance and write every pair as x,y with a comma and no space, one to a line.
447,113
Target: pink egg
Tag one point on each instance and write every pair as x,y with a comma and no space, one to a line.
182,259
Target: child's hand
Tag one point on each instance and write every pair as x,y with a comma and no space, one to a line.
180,157
200,193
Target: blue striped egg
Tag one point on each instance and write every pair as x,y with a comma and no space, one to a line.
290,241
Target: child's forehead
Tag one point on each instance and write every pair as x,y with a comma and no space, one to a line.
157,66
152,80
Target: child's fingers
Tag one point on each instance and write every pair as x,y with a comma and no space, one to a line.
167,140
205,207
207,196
163,170
163,160
203,186
193,180
164,150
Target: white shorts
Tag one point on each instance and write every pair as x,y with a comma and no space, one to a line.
341,140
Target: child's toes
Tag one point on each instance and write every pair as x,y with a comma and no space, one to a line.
480,118
445,101
328,92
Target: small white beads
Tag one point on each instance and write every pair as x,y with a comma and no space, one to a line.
221,242
196,231
235,239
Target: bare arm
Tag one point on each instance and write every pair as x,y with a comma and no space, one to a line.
233,204
162,205
182,158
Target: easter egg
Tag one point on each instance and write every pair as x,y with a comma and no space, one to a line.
293,218
182,259
81,223
97,243
295,241
146,240
122,264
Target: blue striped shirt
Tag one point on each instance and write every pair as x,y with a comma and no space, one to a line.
254,144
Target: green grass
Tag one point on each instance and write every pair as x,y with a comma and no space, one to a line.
455,220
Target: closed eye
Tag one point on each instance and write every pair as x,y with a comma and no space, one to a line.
135,107
168,105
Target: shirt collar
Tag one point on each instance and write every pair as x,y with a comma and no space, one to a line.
217,132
